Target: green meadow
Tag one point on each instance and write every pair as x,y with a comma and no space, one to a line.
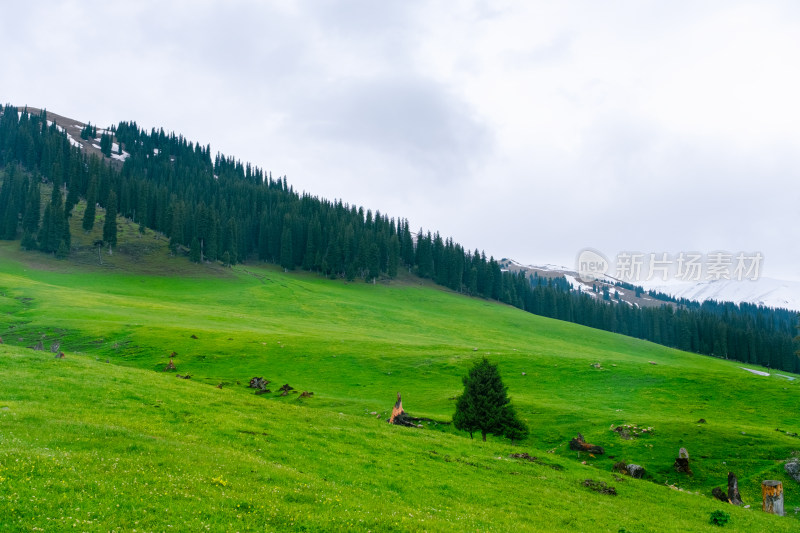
105,439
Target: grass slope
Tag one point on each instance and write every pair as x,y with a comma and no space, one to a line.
108,448
355,345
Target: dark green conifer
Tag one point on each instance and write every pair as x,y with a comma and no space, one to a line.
91,209
110,224
30,222
287,254
194,250
484,405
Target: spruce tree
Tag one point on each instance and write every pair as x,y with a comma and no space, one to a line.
28,242
484,405
105,145
62,251
373,262
394,256
30,223
287,258
9,205
66,234
515,428
47,223
91,202
72,198
110,225
194,251
53,223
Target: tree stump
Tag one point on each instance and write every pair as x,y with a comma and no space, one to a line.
170,367
682,465
397,410
580,445
772,493
635,471
55,346
39,346
733,490
400,417
258,383
682,462
718,494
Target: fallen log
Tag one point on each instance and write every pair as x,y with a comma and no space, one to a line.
717,493
580,445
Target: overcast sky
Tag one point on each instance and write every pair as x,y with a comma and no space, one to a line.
530,130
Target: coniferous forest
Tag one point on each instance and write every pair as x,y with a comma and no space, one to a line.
215,208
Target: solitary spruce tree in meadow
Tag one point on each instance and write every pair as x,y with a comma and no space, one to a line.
485,406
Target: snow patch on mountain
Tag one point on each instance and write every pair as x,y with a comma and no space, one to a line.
768,292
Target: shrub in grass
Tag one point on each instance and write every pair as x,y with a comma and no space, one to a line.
720,518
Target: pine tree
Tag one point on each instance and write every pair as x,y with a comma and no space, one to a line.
194,251
46,230
287,258
30,223
28,242
373,262
110,225
105,144
72,198
53,223
62,251
515,428
484,405
394,256
9,205
91,202
66,234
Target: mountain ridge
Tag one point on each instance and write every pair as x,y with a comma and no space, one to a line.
768,292
220,210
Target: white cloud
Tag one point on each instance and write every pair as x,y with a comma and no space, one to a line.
528,129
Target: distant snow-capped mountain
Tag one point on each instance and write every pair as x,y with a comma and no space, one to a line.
768,292
762,291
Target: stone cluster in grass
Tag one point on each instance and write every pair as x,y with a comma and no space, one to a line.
629,431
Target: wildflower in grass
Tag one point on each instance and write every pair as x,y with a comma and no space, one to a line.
219,481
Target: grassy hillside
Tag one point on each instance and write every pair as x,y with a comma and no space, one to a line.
104,447
354,345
